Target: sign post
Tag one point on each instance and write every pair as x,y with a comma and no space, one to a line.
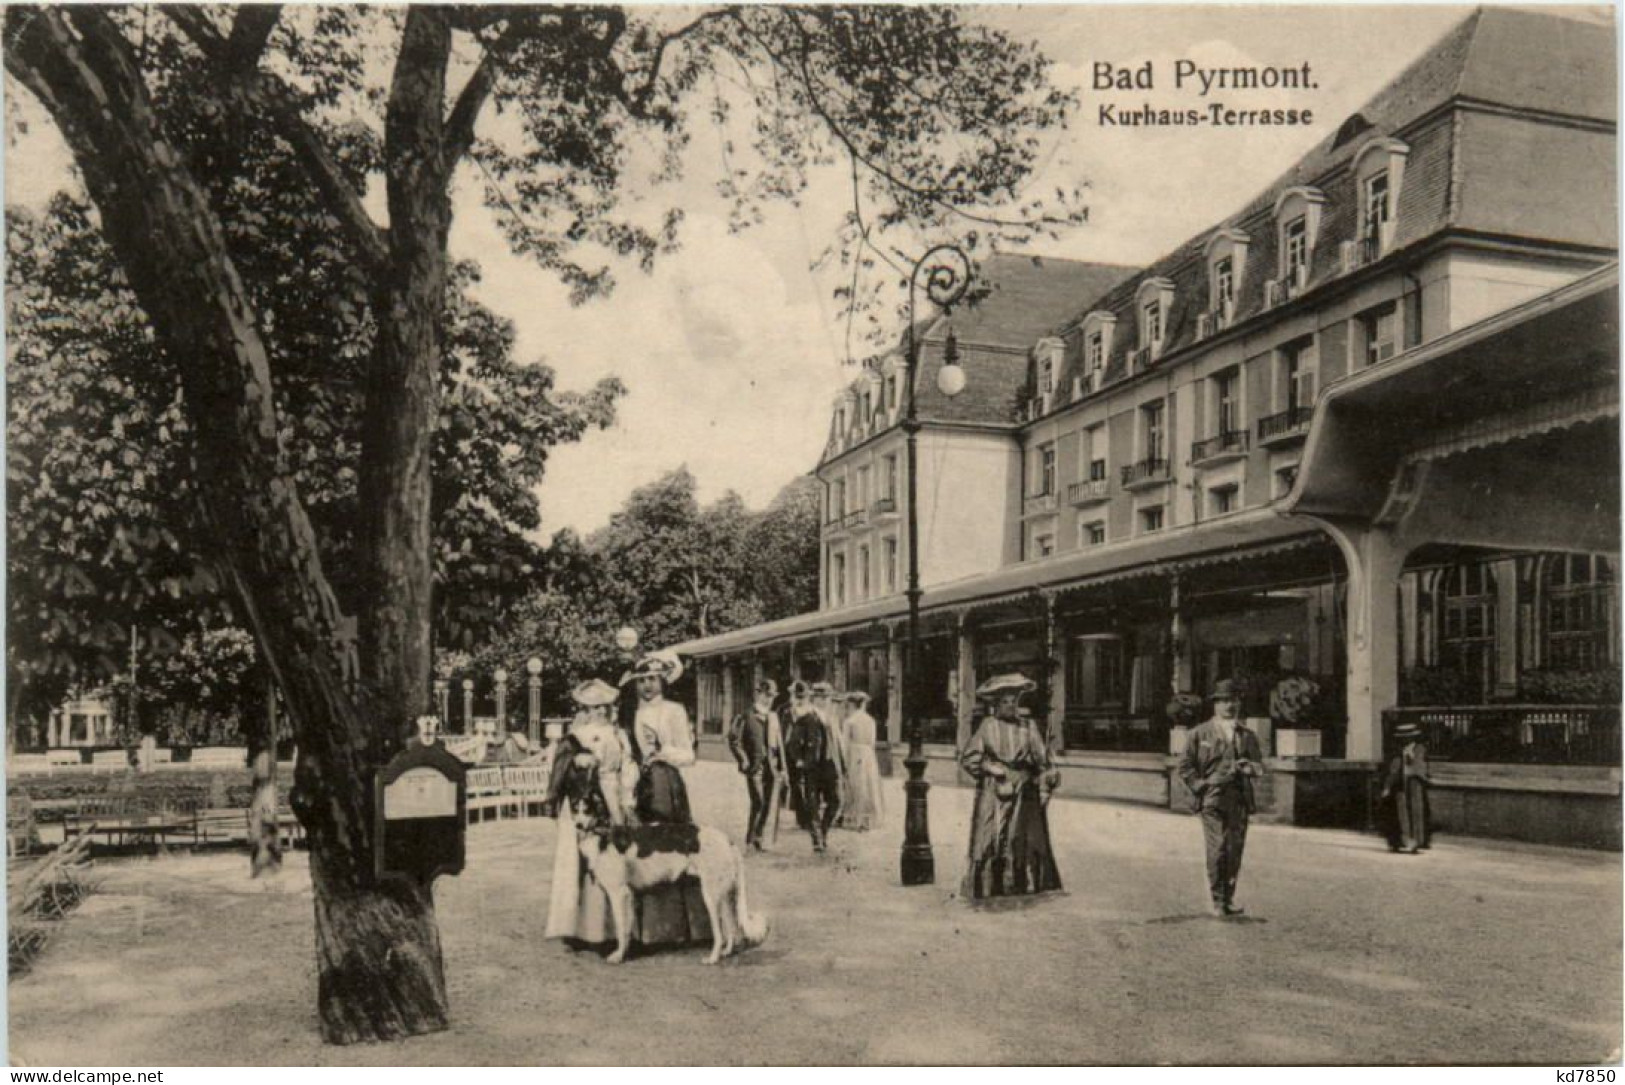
420,814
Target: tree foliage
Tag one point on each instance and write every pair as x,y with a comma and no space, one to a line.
180,117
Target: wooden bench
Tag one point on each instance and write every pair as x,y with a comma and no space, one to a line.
109,761
63,759
220,757
22,764
123,818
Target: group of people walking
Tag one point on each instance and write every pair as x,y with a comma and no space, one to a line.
816,753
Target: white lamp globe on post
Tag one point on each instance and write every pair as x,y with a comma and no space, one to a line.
951,377
626,639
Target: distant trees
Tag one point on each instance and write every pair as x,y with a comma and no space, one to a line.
668,567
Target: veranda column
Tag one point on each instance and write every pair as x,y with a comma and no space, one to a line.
894,686
1180,669
964,679
1055,678
1374,559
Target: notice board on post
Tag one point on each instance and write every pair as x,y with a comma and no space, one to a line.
420,802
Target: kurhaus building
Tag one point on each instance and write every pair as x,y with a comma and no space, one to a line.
1360,439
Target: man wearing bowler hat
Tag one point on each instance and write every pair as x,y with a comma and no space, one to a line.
757,746
1221,760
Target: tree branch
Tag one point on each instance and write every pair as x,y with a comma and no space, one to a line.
250,91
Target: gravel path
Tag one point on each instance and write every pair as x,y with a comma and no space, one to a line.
1476,953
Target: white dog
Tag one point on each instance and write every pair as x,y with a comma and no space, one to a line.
625,859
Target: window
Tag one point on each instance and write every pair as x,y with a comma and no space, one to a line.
837,579
1151,430
891,392
1222,500
1295,246
1376,205
1151,323
1097,352
1226,403
1285,479
1468,646
1151,519
1092,533
1096,675
839,504
1224,284
863,572
891,565
1044,470
1577,608
1046,374
1379,333
1297,387
1044,544
863,486
891,478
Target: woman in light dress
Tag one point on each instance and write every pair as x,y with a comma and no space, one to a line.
673,914
577,910
864,808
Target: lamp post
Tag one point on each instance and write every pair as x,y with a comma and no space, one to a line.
947,274
468,706
534,682
442,693
501,679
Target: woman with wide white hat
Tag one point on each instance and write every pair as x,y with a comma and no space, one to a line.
577,909
672,914
1010,851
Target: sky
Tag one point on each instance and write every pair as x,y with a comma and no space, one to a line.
732,348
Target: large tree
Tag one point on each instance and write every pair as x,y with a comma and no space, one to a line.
162,109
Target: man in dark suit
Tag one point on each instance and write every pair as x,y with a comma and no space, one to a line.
1221,760
755,742
807,750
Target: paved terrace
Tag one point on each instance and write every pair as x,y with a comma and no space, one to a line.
1476,952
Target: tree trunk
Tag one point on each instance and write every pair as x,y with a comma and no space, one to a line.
264,839
378,950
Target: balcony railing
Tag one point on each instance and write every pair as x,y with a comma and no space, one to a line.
883,506
1147,472
855,518
1227,445
1290,423
1037,503
1516,734
1088,491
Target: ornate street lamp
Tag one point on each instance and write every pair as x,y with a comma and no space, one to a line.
501,679
534,682
442,692
947,274
468,706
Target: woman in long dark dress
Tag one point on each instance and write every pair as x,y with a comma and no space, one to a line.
672,914
1010,851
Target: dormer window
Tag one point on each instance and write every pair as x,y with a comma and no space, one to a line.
1379,171
1295,246
1226,258
1151,323
1297,215
891,391
1224,283
1375,205
1154,299
1097,346
1048,353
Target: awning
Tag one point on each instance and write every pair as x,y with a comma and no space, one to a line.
1235,538
1516,374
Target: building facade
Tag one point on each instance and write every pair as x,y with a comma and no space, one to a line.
1355,446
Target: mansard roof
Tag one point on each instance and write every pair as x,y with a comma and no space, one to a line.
1495,58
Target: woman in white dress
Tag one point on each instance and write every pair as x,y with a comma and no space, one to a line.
577,910
864,808
672,914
